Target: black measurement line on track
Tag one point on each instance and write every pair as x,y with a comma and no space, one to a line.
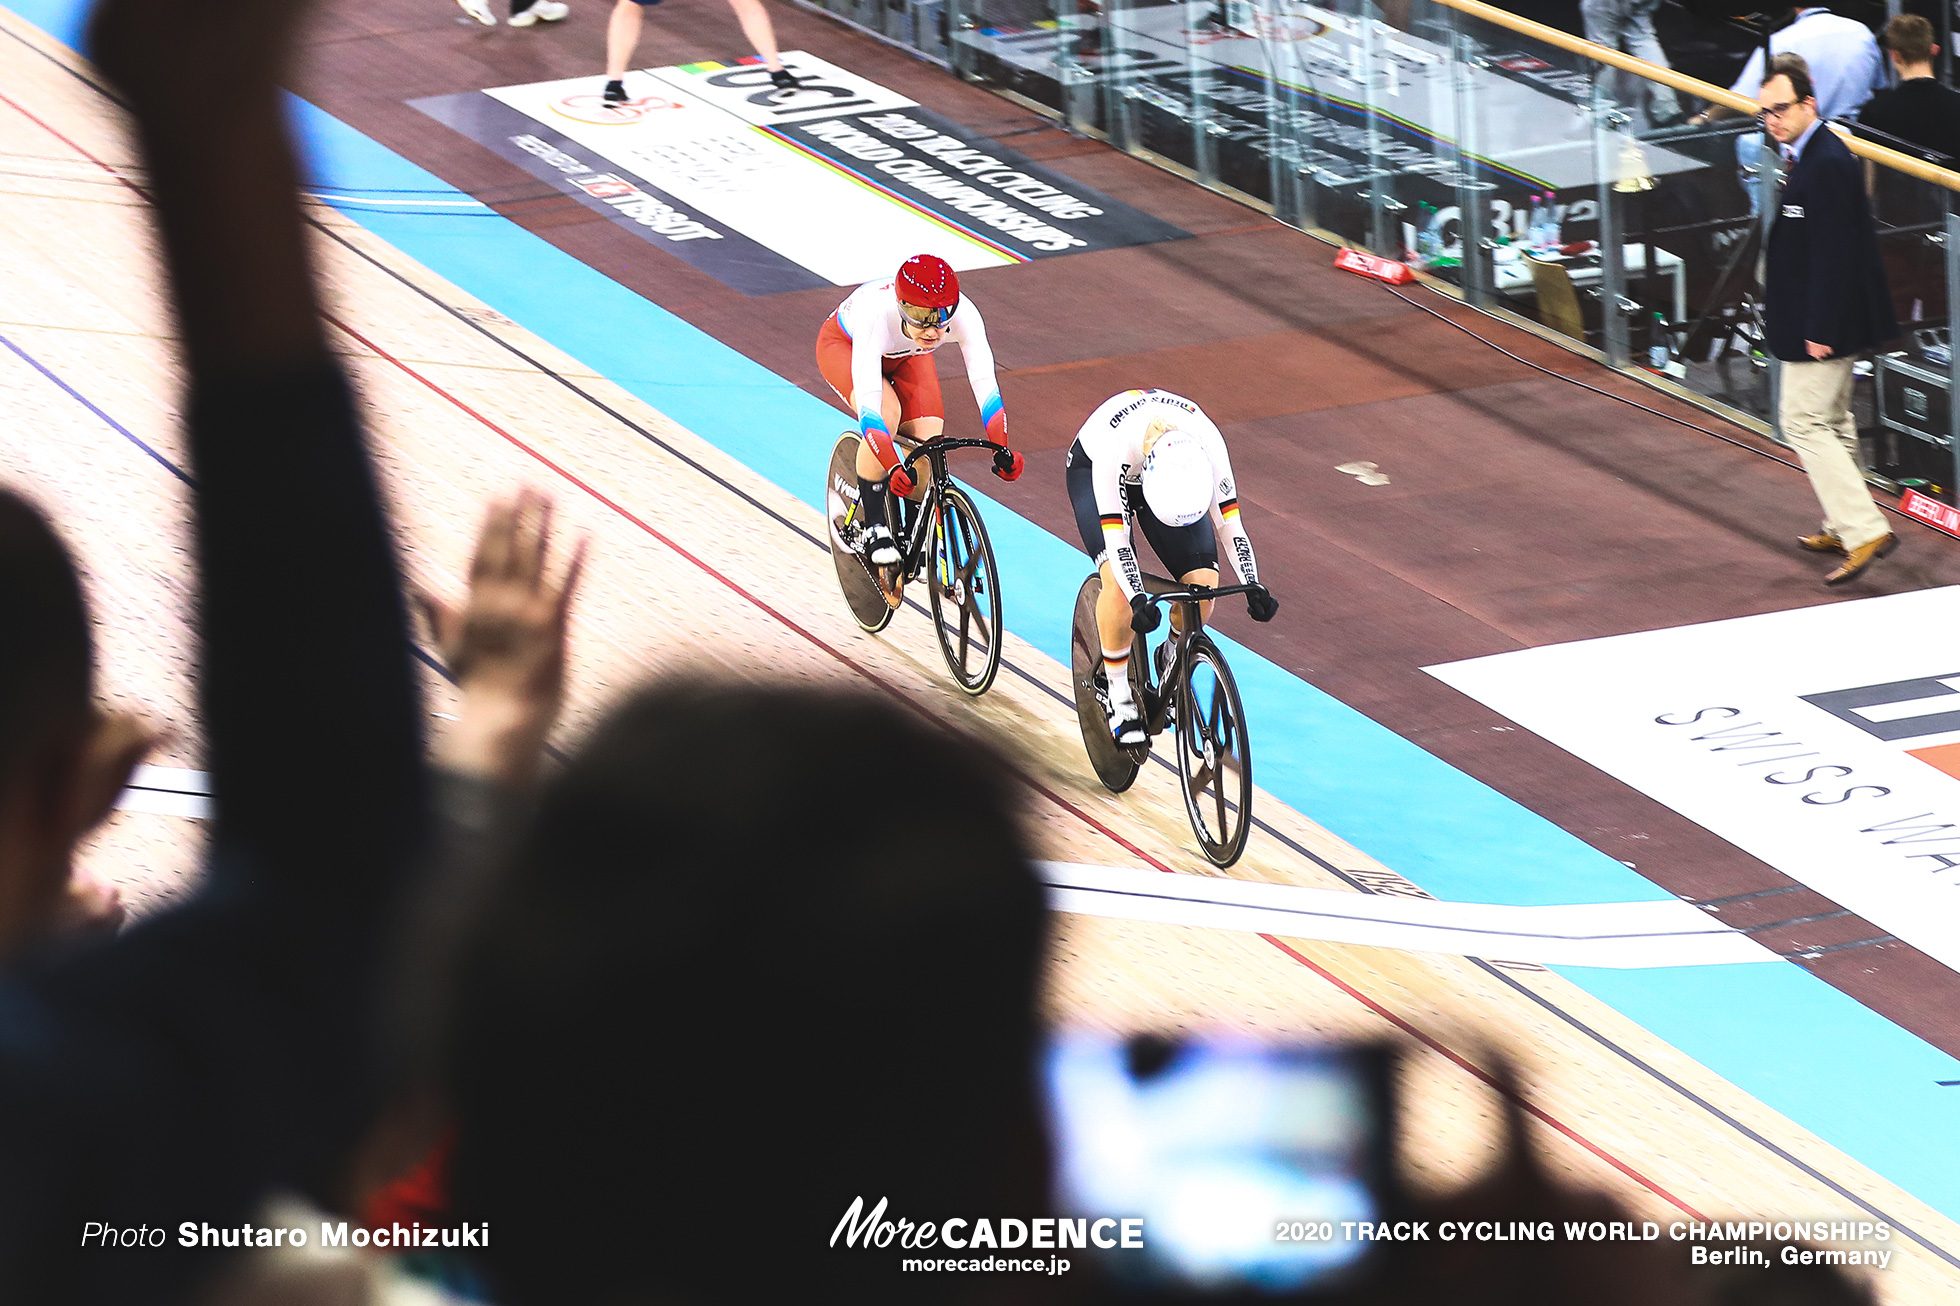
1795,920
1745,897
1811,954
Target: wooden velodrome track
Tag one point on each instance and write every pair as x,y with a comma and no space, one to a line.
462,408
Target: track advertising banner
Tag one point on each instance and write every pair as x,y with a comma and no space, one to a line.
1824,740
772,191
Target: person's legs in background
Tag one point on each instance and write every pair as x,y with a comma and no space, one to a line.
1628,26
1815,415
1605,21
762,38
1749,168
1663,105
623,34
622,37
524,13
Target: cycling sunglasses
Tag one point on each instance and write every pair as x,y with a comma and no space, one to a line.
921,316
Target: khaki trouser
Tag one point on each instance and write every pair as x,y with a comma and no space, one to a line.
1815,413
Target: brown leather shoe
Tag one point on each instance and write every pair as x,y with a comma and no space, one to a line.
1860,558
1822,542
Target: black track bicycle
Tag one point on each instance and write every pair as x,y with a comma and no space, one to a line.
1189,691
940,536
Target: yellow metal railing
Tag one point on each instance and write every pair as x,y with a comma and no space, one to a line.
1694,86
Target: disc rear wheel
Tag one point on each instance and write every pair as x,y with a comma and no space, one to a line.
845,516
1115,766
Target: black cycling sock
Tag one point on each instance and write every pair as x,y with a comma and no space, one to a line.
874,496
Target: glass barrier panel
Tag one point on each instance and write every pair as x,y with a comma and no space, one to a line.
1522,143
1156,70
1691,240
1014,45
1323,146
1530,177
924,25
1904,409
865,13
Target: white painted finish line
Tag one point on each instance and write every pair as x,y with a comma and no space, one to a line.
172,790
1619,935
1614,935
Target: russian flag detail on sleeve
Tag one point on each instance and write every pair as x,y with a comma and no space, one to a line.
993,416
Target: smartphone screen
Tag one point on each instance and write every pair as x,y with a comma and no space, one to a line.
1243,1160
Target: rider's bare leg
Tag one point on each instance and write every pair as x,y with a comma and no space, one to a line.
1113,624
916,432
1112,614
1113,630
1206,576
870,467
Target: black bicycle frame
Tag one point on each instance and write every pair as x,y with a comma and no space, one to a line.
935,451
1156,701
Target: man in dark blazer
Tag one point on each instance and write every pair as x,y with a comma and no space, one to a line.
1824,302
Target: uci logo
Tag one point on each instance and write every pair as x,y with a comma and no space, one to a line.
809,96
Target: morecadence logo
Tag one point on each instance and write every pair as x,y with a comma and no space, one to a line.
874,1229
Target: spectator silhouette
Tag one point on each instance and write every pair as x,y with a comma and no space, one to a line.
62,762
221,1048
702,1016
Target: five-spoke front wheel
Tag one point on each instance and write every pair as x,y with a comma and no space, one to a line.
965,589
1214,756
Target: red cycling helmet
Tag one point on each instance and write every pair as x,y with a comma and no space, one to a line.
928,281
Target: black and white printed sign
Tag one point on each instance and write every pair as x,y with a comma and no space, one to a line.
834,183
656,216
1824,740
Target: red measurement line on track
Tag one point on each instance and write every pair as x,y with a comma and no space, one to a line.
1483,1075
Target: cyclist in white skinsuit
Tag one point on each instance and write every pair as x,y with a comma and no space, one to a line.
1154,455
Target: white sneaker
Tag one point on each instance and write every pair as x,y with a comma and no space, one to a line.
479,10
1125,722
1126,727
880,549
544,11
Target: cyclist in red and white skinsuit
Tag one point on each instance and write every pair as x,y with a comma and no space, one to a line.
876,353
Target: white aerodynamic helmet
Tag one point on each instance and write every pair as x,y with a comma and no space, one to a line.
1177,479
